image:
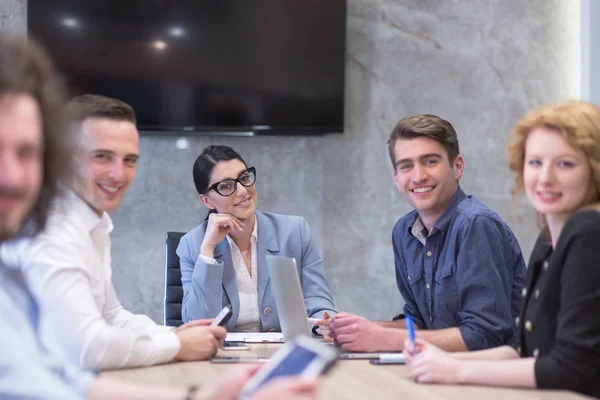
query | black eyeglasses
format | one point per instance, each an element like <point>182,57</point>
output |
<point>227,187</point>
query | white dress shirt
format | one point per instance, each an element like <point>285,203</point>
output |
<point>68,268</point>
<point>249,318</point>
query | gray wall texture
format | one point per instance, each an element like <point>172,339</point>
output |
<point>479,64</point>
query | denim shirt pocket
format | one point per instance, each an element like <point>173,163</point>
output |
<point>443,272</point>
<point>414,276</point>
<point>446,291</point>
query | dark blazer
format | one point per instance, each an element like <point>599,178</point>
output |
<point>207,288</point>
<point>560,320</point>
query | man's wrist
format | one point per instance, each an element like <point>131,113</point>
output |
<point>396,324</point>
<point>392,338</point>
<point>462,372</point>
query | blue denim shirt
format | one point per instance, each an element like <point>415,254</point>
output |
<point>469,273</point>
<point>30,366</point>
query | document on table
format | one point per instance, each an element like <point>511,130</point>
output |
<point>255,337</point>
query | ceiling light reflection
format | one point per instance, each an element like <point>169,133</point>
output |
<point>70,22</point>
<point>177,31</point>
<point>159,45</point>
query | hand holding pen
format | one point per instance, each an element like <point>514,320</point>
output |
<point>410,345</point>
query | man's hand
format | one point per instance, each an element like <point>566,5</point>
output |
<point>199,342</point>
<point>191,324</point>
<point>356,333</point>
<point>325,326</point>
<point>230,385</point>
<point>431,364</point>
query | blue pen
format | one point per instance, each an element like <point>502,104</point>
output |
<point>410,327</point>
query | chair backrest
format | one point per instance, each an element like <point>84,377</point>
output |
<point>173,288</point>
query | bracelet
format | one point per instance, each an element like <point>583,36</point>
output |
<point>191,392</point>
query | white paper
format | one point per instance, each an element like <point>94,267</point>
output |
<point>255,337</point>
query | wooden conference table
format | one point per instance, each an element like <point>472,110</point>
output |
<point>348,379</point>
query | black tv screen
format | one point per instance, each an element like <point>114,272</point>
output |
<point>262,66</point>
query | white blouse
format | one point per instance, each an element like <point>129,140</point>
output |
<point>249,318</point>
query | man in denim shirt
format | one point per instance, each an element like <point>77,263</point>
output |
<point>458,265</point>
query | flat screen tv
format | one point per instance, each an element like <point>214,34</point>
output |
<point>235,66</point>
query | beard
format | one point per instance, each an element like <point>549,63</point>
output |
<point>7,229</point>
<point>11,220</point>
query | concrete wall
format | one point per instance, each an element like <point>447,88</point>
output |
<point>479,64</point>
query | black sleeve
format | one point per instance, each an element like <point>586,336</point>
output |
<point>574,360</point>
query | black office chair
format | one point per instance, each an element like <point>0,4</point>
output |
<point>173,288</point>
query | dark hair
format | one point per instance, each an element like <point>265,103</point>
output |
<point>87,106</point>
<point>206,161</point>
<point>26,68</point>
<point>425,125</point>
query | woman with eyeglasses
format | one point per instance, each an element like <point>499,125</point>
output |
<point>223,261</point>
<point>555,157</point>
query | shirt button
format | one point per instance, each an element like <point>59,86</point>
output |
<point>409,277</point>
<point>536,353</point>
<point>546,265</point>
<point>528,326</point>
<point>267,311</point>
<point>427,286</point>
<point>517,320</point>
<point>429,253</point>
<point>537,293</point>
<point>431,318</point>
<point>272,330</point>
<point>524,292</point>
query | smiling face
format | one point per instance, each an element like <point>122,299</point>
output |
<point>107,161</point>
<point>424,174</point>
<point>242,203</point>
<point>556,175</point>
<point>21,157</point>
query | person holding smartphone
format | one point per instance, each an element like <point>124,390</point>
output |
<point>223,261</point>
<point>34,157</point>
<point>555,157</point>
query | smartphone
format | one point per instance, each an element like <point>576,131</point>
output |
<point>235,346</point>
<point>389,358</point>
<point>378,361</point>
<point>222,317</point>
<point>303,357</point>
<point>359,356</point>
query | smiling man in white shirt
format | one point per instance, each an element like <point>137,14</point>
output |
<point>69,267</point>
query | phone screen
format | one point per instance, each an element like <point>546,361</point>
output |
<point>293,364</point>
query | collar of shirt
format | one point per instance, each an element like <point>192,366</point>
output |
<point>86,216</point>
<point>417,227</point>
<point>254,236</point>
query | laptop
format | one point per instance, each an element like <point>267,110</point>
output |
<point>287,291</point>
<point>290,304</point>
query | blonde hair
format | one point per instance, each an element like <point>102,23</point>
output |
<point>579,124</point>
